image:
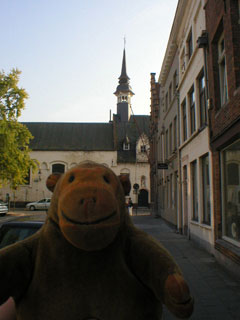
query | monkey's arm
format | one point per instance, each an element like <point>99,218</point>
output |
<point>156,268</point>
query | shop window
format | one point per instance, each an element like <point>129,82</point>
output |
<point>206,217</point>
<point>233,174</point>
<point>202,100</point>
<point>194,181</point>
<point>58,168</point>
<point>230,167</point>
<point>222,71</point>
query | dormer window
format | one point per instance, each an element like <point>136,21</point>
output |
<point>126,146</point>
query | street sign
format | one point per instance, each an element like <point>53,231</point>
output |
<point>162,166</point>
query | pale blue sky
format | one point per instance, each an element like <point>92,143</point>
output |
<point>70,53</point>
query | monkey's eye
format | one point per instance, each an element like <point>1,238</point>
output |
<point>106,179</point>
<point>71,178</point>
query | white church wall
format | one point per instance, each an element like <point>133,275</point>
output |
<point>37,190</point>
<point>139,172</point>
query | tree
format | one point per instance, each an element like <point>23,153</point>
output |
<point>15,161</point>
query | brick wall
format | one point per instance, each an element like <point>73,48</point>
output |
<point>223,17</point>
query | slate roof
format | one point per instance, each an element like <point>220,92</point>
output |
<point>60,136</point>
<point>57,136</point>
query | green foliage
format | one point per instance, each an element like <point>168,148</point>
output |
<point>15,161</point>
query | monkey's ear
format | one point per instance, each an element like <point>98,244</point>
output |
<point>52,181</point>
<point>126,184</point>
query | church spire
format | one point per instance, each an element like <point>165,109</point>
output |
<point>124,77</point>
<point>124,86</point>
<point>124,92</point>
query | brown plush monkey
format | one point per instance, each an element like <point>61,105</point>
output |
<point>89,261</point>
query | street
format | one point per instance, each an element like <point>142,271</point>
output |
<point>215,291</point>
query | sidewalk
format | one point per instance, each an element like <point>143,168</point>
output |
<point>215,291</point>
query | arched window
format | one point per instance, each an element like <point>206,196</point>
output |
<point>58,168</point>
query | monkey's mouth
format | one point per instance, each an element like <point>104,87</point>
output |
<point>89,222</point>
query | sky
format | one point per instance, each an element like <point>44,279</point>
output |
<point>70,53</point>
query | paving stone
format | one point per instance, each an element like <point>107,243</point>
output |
<point>215,291</point>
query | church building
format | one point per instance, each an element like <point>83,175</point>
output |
<point>121,144</point>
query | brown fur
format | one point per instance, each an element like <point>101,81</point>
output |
<point>88,260</point>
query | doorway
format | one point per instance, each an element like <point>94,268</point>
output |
<point>143,198</point>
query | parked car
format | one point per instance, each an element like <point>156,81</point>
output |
<point>42,204</point>
<point>3,208</point>
<point>14,231</point>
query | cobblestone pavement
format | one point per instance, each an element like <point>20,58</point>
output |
<point>215,291</point>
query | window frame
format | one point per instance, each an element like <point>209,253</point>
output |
<point>222,70</point>
<point>126,146</point>
<point>170,94</point>
<point>166,101</point>
<point>170,139</point>
<point>206,187</point>
<point>175,133</point>
<point>184,120</point>
<point>226,192</point>
<point>58,164</point>
<point>202,99</point>
<point>194,191</point>
<point>192,107</point>
<point>143,148</point>
<point>190,44</point>
<point>166,144</point>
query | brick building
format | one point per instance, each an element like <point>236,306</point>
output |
<point>223,61</point>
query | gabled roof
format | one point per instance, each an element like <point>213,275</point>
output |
<point>133,129</point>
<point>58,136</point>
